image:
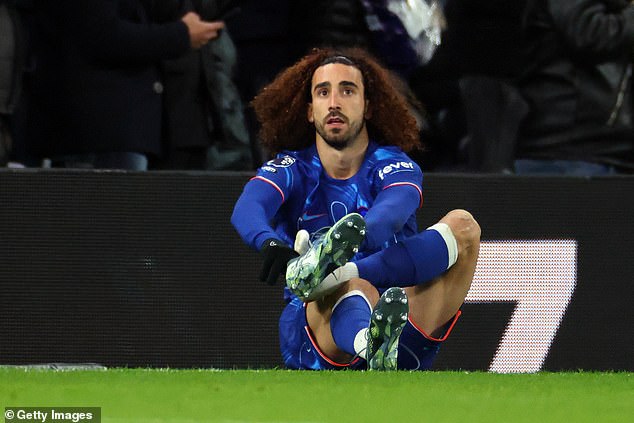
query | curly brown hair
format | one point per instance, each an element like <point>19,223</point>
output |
<point>281,107</point>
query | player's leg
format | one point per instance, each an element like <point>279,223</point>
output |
<point>342,326</point>
<point>412,261</point>
<point>339,321</point>
<point>454,240</point>
<point>389,317</point>
<point>436,266</point>
<point>434,303</point>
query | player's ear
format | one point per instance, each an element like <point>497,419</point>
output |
<point>368,110</point>
<point>309,113</point>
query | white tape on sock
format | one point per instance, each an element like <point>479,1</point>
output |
<point>361,343</point>
<point>452,245</point>
<point>334,280</point>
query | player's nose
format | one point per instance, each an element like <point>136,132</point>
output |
<point>334,103</point>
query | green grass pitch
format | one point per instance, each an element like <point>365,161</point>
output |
<point>143,396</point>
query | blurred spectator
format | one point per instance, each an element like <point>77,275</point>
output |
<point>96,87</point>
<point>578,86</point>
<point>405,33</point>
<point>467,87</point>
<point>262,38</point>
<point>13,58</point>
<point>231,142</point>
<point>19,156</point>
<point>204,125</point>
<point>328,23</point>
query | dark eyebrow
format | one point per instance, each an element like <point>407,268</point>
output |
<point>348,84</point>
<point>342,84</point>
<point>321,85</point>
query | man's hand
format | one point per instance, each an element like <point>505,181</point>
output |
<point>276,256</point>
<point>200,32</point>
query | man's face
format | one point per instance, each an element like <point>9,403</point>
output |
<point>339,107</point>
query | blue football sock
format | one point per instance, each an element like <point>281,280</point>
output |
<point>350,315</point>
<point>412,261</point>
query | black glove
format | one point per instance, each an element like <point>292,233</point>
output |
<point>276,256</point>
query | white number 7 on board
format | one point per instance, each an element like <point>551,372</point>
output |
<point>540,276</point>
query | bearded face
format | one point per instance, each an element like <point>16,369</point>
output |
<point>338,108</point>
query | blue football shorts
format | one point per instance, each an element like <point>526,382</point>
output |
<point>416,350</point>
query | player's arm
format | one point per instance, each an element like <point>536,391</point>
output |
<point>254,211</point>
<point>389,213</point>
<point>400,195</point>
<point>256,207</point>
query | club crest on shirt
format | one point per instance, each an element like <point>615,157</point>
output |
<point>395,167</point>
<point>285,161</point>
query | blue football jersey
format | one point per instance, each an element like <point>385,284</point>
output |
<point>312,200</point>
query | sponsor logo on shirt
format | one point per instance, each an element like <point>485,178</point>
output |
<point>396,167</point>
<point>269,169</point>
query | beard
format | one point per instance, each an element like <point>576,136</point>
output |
<point>337,138</point>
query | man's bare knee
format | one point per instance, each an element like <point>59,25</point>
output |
<point>370,292</point>
<point>355,284</point>
<point>464,227</point>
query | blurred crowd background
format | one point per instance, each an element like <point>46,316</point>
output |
<point>511,86</point>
